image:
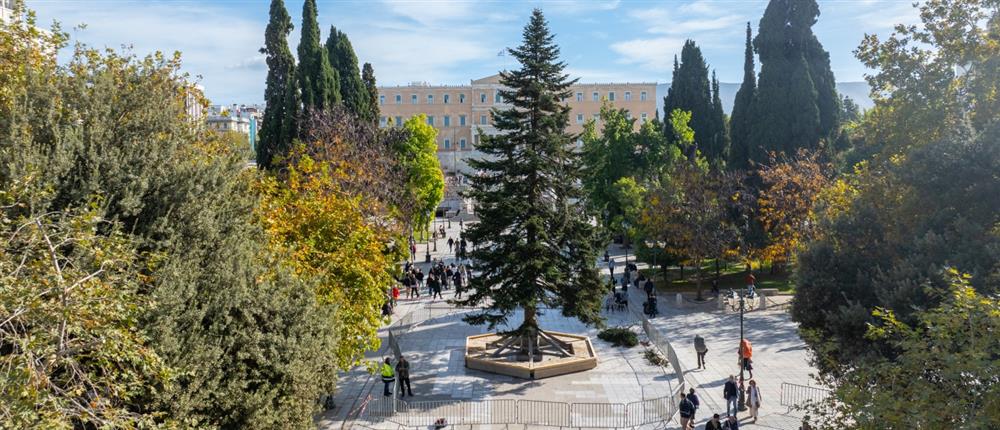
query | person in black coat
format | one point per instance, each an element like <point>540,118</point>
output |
<point>731,393</point>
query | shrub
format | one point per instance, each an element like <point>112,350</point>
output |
<point>619,336</point>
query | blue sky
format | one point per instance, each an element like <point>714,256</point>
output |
<point>451,42</point>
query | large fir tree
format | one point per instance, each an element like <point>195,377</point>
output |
<point>740,122</point>
<point>317,80</point>
<point>280,94</point>
<point>371,88</point>
<point>690,90</point>
<point>796,105</point>
<point>343,60</point>
<point>535,248</point>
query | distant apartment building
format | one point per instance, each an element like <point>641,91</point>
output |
<point>245,119</point>
<point>458,111</point>
<point>6,11</point>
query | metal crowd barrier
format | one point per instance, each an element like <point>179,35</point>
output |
<point>796,396</point>
<point>523,412</point>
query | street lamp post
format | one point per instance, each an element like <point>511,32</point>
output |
<point>434,235</point>
<point>743,398</point>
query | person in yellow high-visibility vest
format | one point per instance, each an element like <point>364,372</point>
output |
<point>388,376</point>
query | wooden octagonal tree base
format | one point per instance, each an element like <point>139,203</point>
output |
<point>479,355</point>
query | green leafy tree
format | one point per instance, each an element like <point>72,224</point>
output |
<point>281,92</point>
<point>946,356</point>
<point>418,156</point>
<point>691,91</point>
<point>71,345</point>
<point>881,245</point>
<point>607,157</point>
<point>796,104</point>
<point>929,75</point>
<point>741,122</point>
<point>318,81</point>
<point>352,89</point>
<point>368,77</point>
<point>242,337</point>
<point>535,248</point>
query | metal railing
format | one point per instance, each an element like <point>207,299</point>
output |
<point>797,396</point>
<point>521,412</point>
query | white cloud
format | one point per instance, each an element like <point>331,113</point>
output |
<point>655,54</point>
<point>430,12</point>
<point>216,44</point>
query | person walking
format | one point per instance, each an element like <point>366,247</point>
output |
<point>611,268</point>
<point>697,404</point>
<point>436,289</point>
<point>414,289</point>
<point>754,399</point>
<point>451,243</point>
<point>458,283</point>
<point>388,376</point>
<point>701,349</point>
<point>714,423</point>
<point>731,393</point>
<point>403,372</point>
<point>686,409</point>
<point>731,424</point>
<point>746,356</point>
<point>420,279</point>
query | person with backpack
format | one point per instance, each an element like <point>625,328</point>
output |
<point>686,409</point>
<point>732,394</point>
<point>697,404</point>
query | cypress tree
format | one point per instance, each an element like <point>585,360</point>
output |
<point>793,108</point>
<point>342,59</point>
<point>535,247</point>
<point>740,122</point>
<point>691,91</point>
<point>720,137</point>
<point>317,80</point>
<point>368,77</point>
<point>280,93</point>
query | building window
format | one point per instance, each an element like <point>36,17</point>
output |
<point>413,99</point>
<point>579,118</point>
<point>642,96</point>
<point>476,139</point>
<point>597,117</point>
<point>461,120</point>
<point>643,116</point>
<point>399,121</point>
<point>430,120</point>
<point>461,99</point>
<point>447,121</point>
<point>628,116</point>
<point>496,97</point>
<point>579,97</point>
<point>482,119</point>
<point>461,144</point>
<point>596,96</point>
<point>611,96</point>
<point>381,121</point>
<point>430,99</point>
<point>447,144</point>
<point>445,99</point>
<point>399,99</point>
<point>482,97</point>
<point>381,100</point>
<point>628,96</point>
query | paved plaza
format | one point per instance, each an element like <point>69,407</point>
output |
<point>434,341</point>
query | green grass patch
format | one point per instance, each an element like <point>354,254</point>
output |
<point>731,275</point>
